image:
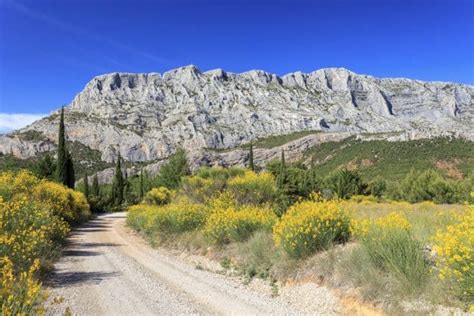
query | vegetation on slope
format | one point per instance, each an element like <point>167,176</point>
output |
<point>393,160</point>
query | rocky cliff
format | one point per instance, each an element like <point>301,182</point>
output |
<point>147,116</point>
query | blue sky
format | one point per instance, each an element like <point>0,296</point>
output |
<point>50,49</point>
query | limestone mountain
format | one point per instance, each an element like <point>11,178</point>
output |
<point>148,116</point>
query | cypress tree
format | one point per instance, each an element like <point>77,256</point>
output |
<point>251,164</point>
<point>70,174</point>
<point>86,186</point>
<point>141,188</point>
<point>282,174</point>
<point>61,163</point>
<point>118,183</point>
<point>95,186</point>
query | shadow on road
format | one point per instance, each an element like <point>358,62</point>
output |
<point>63,279</point>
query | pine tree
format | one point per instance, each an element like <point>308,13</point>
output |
<point>251,163</point>
<point>86,186</point>
<point>45,168</point>
<point>95,186</point>
<point>61,163</point>
<point>118,183</point>
<point>171,173</point>
<point>141,188</point>
<point>70,174</point>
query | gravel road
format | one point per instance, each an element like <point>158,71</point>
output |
<point>105,270</point>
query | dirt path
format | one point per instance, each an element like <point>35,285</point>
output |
<point>107,271</point>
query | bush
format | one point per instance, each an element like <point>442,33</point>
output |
<point>20,294</point>
<point>430,186</point>
<point>158,196</point>
<point>377,187</point>
<point>171,172</point>
<point>200,190</point>
<point>311,226</point>
<point>346,183</point>
<point>70,205</point>
<point>455,255</point>
<point>252,188</point>
<point>231,224</point>
<point>391,247</point>
<point>167,219</point>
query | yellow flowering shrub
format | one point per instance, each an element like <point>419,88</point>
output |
<point>171,218</point>
<point>252,188</point>
<point>454,246</point>
<point>34,216</point>
<point>200,190</point>
<point>20,293</point>
<point>310,226</point>
<point>71,205</point>
<point>159,196</point>
<point>237,224</point>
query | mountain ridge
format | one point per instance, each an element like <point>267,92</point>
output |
<point>146,116</point>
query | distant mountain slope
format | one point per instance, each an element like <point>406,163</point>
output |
<point>147,116</point>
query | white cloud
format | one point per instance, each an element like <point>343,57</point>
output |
<point>12,121</point>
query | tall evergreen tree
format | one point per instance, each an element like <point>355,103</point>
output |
<point>251,163</point>
<point>86,186</point>
<point>70,173</point>
<point>141,188</point>
<point>282,174</point>
<point>95,186</point>
<point>61,163</point>
<point>118,183</point>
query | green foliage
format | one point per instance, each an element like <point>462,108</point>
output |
<point>95,186</point>
<point>346,183</point>
<point>141,190</point>
<point>171,173</point>
<point>45,168</point>
<point>396,252</point>
<point>377,187</point>
<point>118,183</point>
<point>278,140</point>
<point>62,167</point>
<point>392,160</point>
<point>70,173</point>
<point>86,186</point>
<point>430,186</point>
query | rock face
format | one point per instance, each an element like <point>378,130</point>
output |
<point>147,116</point>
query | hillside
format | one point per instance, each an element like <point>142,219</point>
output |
<point>393,160</point>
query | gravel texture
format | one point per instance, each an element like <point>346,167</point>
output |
<point>105,270</point>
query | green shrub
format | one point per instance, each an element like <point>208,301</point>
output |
<point>392,249</point>
<point>430,186</point>
<point>346,183</point>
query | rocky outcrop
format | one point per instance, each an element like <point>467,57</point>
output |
<point>147,116</point>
